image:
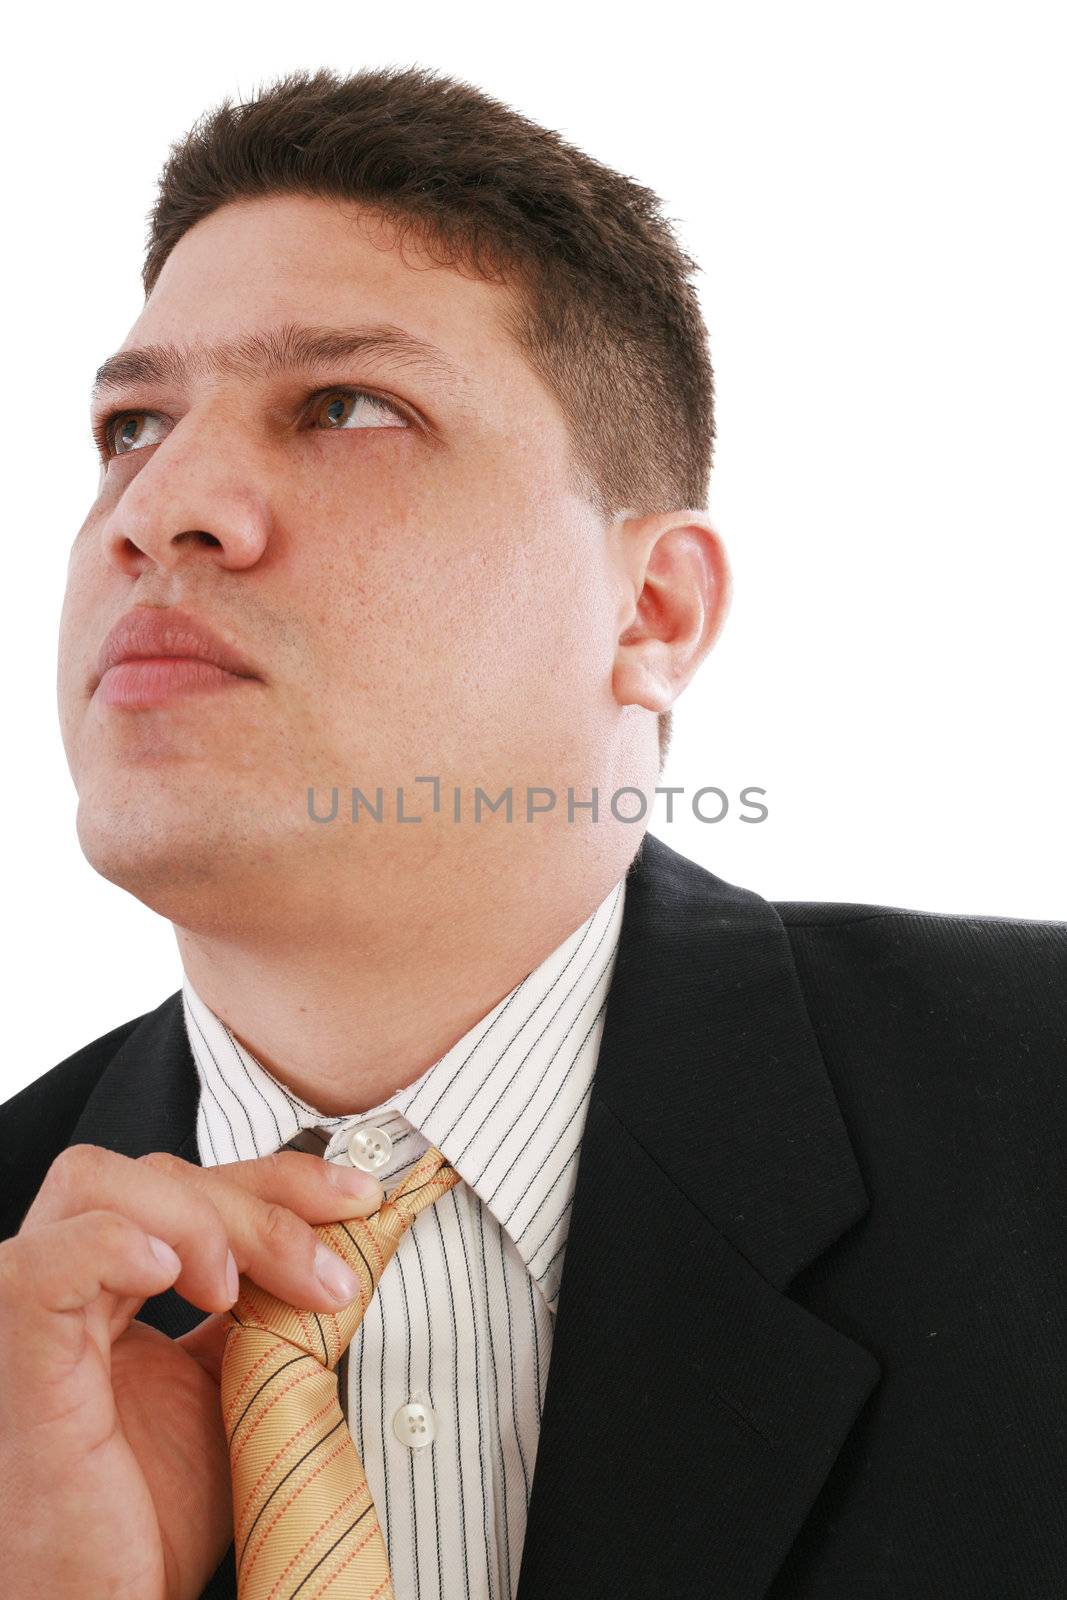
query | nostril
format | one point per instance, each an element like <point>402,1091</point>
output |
<point>200,537</point>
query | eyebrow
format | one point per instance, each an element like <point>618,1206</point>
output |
<point>268,352</point>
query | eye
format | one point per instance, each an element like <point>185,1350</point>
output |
<point>128,430</point>
<point>355,408</point>
<point>125,431</point>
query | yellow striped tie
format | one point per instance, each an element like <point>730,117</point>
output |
<point>303,1517</point>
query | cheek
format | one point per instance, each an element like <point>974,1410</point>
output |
<point>81,581</point>
<point>427,639</point>
<point>402,569</point>
<point>92,597</point>
<point>458,590</point>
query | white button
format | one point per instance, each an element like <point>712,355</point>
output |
<point>414,1425</point>
<point>369,1147</point>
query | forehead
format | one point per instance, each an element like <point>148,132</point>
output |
<point>254,265</point>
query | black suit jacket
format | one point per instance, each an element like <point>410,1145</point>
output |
<point>810,1334</point>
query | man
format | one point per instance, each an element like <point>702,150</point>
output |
<point>757,1240</point>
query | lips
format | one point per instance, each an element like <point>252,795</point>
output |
<point>154,651</point>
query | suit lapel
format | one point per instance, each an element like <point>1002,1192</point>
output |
<point>692,1409</point>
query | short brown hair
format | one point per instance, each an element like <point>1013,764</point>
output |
<point>605,313</point>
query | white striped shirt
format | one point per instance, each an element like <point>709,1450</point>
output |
<point>462,1318</point>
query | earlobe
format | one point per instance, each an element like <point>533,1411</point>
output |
<point>679,610</point>
<point>637,680</point>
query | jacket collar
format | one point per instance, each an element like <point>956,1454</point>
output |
<point>693,1410</point>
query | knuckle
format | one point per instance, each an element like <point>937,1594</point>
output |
<point>273,1173</point>
<point>161,1159</point>
<point>77,1158</point>
<point>196,1203</point>
<point>281,1227</point>
<point>75,1168</point>
<point>285,1163</point>
<point>109,1229</point>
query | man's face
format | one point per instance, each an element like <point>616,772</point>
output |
<point>408,574</point>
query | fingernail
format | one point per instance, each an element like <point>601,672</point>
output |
<point>350,1180</point>
<point>233,1282</point>
<point>164,1254</point>
<point>334,1274</point>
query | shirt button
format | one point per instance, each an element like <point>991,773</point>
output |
<point>369,1147</point>
<point>414,1425</point>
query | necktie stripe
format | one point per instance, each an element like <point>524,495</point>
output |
<point>359,1251</point>
<point>380,1590</point>
<point>325,1348</point>
<point>250,1376</point>
<point>241,1538</point>
<point>296,1510</point>
<point>385,1588</point>
<point>262,1416</point>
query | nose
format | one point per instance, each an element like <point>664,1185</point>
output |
<point>190,501</point>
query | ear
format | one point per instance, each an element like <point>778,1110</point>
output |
<point>677,593</point>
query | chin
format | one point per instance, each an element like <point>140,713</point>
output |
<point>194,849</point>
<point>162,860</point>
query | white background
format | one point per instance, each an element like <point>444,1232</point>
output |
<point>875,195</point>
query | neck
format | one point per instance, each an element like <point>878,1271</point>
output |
<point>356,1006</point>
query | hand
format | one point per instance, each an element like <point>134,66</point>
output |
<point>114,1468</point>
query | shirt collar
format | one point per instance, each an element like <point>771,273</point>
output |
<point>506,1104</point>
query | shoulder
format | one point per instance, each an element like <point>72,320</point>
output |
<point>65,1087</point>
<point>955,1021</point>
<point>987,962</point>
<point>855,961</point>
<point>943,924</point>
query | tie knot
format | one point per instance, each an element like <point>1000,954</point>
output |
<point>367,1244</point>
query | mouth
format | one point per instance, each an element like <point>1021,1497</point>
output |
<point>157,654</point>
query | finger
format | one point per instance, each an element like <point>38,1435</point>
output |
<point>87,1177</point>
<point>207,1214</point>
<point>272,1206</point>
<point>317,1190</point>
<point>56,1271</point>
